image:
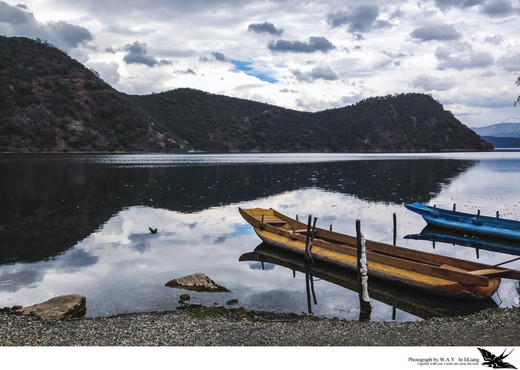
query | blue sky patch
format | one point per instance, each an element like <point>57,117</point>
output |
<point>249,69</point>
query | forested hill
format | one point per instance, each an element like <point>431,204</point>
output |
<point>50,102</point>
<point>406,122</point>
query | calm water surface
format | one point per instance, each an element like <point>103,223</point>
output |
<point>79,224</point>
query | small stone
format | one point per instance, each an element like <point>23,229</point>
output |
<point>185,297</point>
<point>198,282</point>
<point>232,302</point>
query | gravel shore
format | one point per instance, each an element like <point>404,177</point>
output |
<point>201,326</point>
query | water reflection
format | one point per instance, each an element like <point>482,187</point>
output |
<point>79,224</point>
<point>412,301</point>
<point>48,206</point>
<point>436,235</point>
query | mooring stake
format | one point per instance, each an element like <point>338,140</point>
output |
<point>362,271</point>
<point>395,228</point>
<point>307,239</point>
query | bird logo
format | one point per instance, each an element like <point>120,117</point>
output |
<point>495,362</point>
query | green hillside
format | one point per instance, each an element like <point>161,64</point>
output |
<point>50,102</point>
<point>406,122</point>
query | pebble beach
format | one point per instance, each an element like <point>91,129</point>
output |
<point>203,326</point>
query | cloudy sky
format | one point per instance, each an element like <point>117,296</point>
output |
<point>302,54</point>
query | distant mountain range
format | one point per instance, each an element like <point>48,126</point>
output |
<point>501,135</point>
<point>49,102</point>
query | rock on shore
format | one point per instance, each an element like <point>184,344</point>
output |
<point>198,282</point>
<point>58,308</point>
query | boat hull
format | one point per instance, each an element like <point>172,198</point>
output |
<point>429,272</point>
<point>449,289</point>
<point>408,300</point>
<point>465,222</point>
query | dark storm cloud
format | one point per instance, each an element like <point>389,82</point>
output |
<point>429,83</point>
<point>266,27</point>
<point>431,32</point>
<point>188,71</point>
<point>510,62</point>
<point>445,4</point>
<point>16,21</point>
<point>315,44</point>
<point>499,8</point>
<point>317,73</point>
<point>137,54</point>
<point>492,8</point>
<point>219,56</point>
<point>497,39</point>
<point>15,15</point>
<point>462,58</point>
<point>70,34</point>
<point>360,19</point>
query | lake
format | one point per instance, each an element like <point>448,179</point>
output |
<point>77,223</point>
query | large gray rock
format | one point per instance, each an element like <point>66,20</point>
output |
<point>58,308</point>
<point>198,282</point>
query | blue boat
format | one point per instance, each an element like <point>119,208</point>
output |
<point>436,235</point>
<point>495,227</point>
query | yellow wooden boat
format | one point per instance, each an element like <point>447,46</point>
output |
<point>433,273</point>
<point>413,301</point>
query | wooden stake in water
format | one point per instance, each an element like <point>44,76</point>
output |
<point>395,228</point>
<point>362,270</point>
<point>308,238</point>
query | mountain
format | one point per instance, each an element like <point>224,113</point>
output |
<point>50,102</point>
<point>405,122</point>
<point>506,129</point>
<point>501,135</point>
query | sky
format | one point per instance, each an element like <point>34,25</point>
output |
<point>300,54</point>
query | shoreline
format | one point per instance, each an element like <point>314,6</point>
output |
<point>221,326</point>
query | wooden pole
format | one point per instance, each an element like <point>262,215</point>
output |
<point>362,272</point>
<point>307,239</point>
<point>358,237</point>
<point>395,228</point>
<point>312,236</point>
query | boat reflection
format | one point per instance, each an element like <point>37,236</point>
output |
<point>436,235</point>
<point>412,301</point>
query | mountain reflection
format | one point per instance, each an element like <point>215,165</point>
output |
<point>48,206</point>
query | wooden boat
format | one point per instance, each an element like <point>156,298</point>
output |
<point>414,302</point>
<point>474,224</point>
<point>430,272</point>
